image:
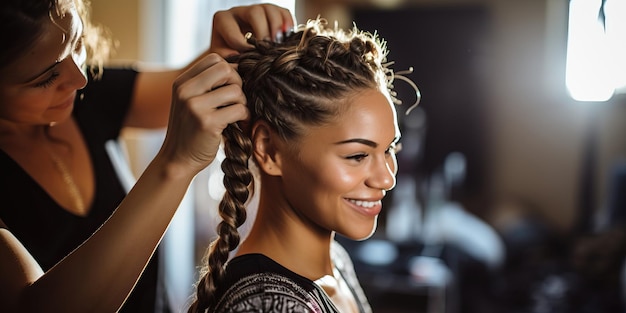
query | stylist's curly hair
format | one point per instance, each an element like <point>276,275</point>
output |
<point>22,22</point>
<point>301,81</point>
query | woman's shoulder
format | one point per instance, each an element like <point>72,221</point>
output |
<point>258,270</point>
<point>256,283</point>
<point>264,292</point>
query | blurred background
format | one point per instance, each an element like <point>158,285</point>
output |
<point>512,179</point>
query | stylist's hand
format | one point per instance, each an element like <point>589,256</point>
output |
<point>264,21</point>
<point>205,99</point>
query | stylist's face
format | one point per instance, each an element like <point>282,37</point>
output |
<point>39,87</point>
<point>341,171</point>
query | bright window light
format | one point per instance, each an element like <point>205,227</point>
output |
<point>587,69</point>
<point>616,32</point>
<point>596,62</point>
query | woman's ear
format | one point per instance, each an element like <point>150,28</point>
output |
<point>265,147</point>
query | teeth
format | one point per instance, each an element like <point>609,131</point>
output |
<point>365,204</point>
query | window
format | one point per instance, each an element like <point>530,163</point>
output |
<point>596,49</point>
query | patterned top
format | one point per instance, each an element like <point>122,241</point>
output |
<point>256,283</point>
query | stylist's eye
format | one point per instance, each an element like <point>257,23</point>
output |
<point>394,148</point>
<point>48,81</point>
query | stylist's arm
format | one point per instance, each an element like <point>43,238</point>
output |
<point>99,274</point>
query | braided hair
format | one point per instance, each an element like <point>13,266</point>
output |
<point>295,83</point>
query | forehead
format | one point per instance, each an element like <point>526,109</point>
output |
<point>369,114</point>
<point>371,108</point>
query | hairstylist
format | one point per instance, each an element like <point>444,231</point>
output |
<point>70,239</point>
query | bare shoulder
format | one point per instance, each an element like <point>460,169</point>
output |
<point>15,259</point>
<point>17,269</point>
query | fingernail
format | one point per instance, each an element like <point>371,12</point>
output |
<point>279,37</point>
<point>289,32</point>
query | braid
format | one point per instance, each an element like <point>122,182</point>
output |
<point>237,177</point>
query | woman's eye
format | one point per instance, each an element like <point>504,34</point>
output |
<point>357,157</point>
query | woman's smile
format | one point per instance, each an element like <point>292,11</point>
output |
<point>368,208</point>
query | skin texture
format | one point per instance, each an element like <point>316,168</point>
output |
<point>38,88</point>
<point>315,187</point>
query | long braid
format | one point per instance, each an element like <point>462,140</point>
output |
<point>298,82</point>
<point>237,177</point>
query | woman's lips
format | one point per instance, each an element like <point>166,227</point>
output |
<point>365,207</point>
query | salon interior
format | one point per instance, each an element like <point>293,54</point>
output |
<point>511,190</point>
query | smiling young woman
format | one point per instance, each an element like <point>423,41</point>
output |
<point>323,134</point>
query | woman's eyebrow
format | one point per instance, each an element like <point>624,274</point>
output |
<point>358,140</point>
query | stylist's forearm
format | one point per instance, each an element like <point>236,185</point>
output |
<point>100,274</point>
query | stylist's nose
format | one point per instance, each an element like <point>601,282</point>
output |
<point>74,67</point>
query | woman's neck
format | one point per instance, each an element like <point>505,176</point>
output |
<point>280,234</point>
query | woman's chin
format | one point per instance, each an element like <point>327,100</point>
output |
<point>361,235</point>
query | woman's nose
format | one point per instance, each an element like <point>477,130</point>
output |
<point>383,174</point>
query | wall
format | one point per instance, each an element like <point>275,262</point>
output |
<point>535,129</point>
<point>121,17</point>
<point>539,135</point>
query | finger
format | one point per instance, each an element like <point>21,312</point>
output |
<point>228,32</point>
<point>217,99</point>
<point>279,19</point>
<point>224,105</point>
<point>198,67</point>
<point>223,51</point>
<point>214,77</point>
<point>231,114</point>
<point>256,17</point>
